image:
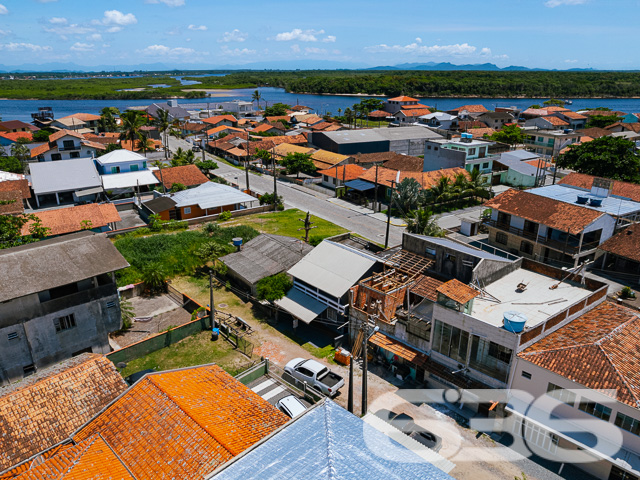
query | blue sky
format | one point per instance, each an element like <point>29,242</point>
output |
<point>204,33</point>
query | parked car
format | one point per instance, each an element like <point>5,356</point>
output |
<point>291,406</point>
<point>406,425</point>
<point>195,148</point>
<point>316,375</point>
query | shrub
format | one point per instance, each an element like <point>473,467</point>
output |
<point>210,228</point>
<point>154,276</point>
<point>274,287</point>
<point>173,225</point>
<point>315,240</point>
<point>224,216</point>
<point>177,187</point>
<point>627,292</point>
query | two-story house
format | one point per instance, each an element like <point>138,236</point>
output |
<point>575,120</point>
<point>15,126</point>
<point>496,120</point>
<point>65,145</point>
<point>548,142</point>
<point>58,298</point>
<point>549,122</point>
<point>78,122</point>
<point>395,104</point>
<point>465,152</point>
<point>120,161</point>
<point>441,120</point>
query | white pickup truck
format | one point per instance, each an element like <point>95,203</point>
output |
<point>316,375</point>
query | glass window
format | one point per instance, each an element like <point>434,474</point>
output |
<point>619,474</point>
<point>627,423</point>
<point>561,394</point>
<point>187,210</point>
<point>472,151</point>
<point>595,409</point>
<point>490,358</point>
<point>56,156</point>
<point>144,164</point>
<point>526,247</point>
<point>75,154</point>
<point>64,323</point>
<point>526,375</point>
<point>68,144</point>
<point>134,168</point>
<point>485,165</point>
<point>501,238</point>
<point>450,341</point>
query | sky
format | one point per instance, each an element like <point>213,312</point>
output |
<point>558,34</point>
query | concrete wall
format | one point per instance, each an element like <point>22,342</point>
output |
<point>413,146</point>
<point>444,265</point>
<point>488,271</point>
<point>442,157</point>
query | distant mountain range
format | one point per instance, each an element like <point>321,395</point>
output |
<point>267,65</point>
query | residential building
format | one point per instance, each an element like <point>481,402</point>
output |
<point>96,217</point>
<point>468,112</point>
<point>549,122</point>
<point>45,408</point>
<point>262,257</point>
<point>496,120</point>
<point>555,223</point>
<point>621,253</point>
<point>411,116</point>
<point>520,168</point>
<point>267,128</point>
<point>187,175</point>
<point>408,140</point>
<point>130,182</point>
<point>619,188</point>
<point>78,122</point>
<point>465,152</point>
<point>120,161</point>
<point>65,145</point>
<point>207,199</point>
<point>453,316</point>
<point>441,120</point>
<point>395,104</point>
<point>175,111</point>
<point>548,142</point>
<point>623,127</point>
<point>9,138</point>
<point>321,282</point>
<point>324,159</point>
<point>338,176</point>
<point>221,120</point>
<point>46,316</point>
<point>238,107</point>
<point>392,160</point>
<point>585,373</point>
<point>14,126</point>
<point>574,119</point>
<point>68,181</point>
<point>15,195</point>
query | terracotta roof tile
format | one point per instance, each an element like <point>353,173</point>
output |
<point>620,188</point>
<point>457,291</point>
<point>555,121</point>
<point>427,287</point>
<point>85,117</point>
<point>556,108</point>
<point>406,163</point>
<point>333,128</point>
<point>63,133</point>
<point>629,127</point>
<point>625,243</point>
<point>481,132</point>
<point>598,350</point>
<point>14,136</point>
<point>264,127</point>
<point>417,106</point>
<point>220,118</point>
<point>22,185</point>
<point>40,149</point>
<point>14,125</point>
<point>572,115</point>
<point>283,149</point>
<point>188,175</point>
<point>69,219</point>
<point>279,118</point>
<point>402,98</point>
<point>465,125</point>
<point>11,202</point>
<point>470,109</point>
<point>546,211</point>
<point>594,132</point>
<point>603,113</point>
<point>183,423</point>
<point>414,112</point>
<point>326,159</point>
<point>346,172</point>
<point>46,408</point>
<point>379,114</point>
<point>425,179</point>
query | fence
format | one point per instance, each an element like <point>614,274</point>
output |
<point>234,335</point>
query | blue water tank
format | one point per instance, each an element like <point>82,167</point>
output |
<point>595,202</point>
<point>237,242</point>
<point>514,321</point>
<point>582,199</point>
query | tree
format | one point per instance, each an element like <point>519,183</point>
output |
<point>11,230</point>
<point>477,185</point>
<point>154,277</point>
<point>179,158</point>
<point>107,122</point>
<point>296,162</point>
<point>144,143</point>
<point>21,152</point>
<point>422,222</point>
<point>601,121</point>
<point>372,104</point>
<point>41,136</point>
<point>609,157</point>
<point>206,166</point>
<point>274,287</point>
<point>554,101</point>
<point>270,199</point>
<point>10,164</point>
<point>163,123</point>
<point>256,97</point>
<point>441,192</point>
<point>511,134</point>
<point>130,129</point>
<point>177,187</point>
<point>276,110</point>
<point>407,194</point>
<point>211,250</point>
<point>348,115</point>
<point>263,155</point>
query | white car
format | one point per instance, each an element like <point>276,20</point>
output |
<point>291,406</point>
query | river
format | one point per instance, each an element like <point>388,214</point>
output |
<point>22,109</point>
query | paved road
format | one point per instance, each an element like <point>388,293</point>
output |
<point>308,200</point>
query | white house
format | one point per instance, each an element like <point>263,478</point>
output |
<point>65,145</point>
<point>120,161</point>
<point>441,120</point>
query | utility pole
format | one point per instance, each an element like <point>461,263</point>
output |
<point>386,238</point>
<point>275,179</point>
<point>336,181</point>
<point>246,172</point>
<point>212,307</point>
<point>365,367</point>
<point>350,399</point>
<point>307,226</point>
<point>375,192</point>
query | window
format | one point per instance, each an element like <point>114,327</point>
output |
<point>65,323</point>
<point>111,304</point>
<point>450,341</point>
<point>502,238</point>
<point>627,423</point>
<point>75,154</point>
<point>332,314</point>
<point>187,210</point>
<point>535,435</point>
<point>472,151</point>
<point>595,409</point>
<point>559,393</point>
<point>68,144</point>
<point>504,218</point>
<point>428,147</point>
<point>134,168</point>
<point>526,375</point>
<point>526,247</point>
<point>56,156</point>
<point>619,474</point>
<point>435,149</point>
<point>144,164</point>
<point>485,165</point>
<point>12,336</point>
<point>490,358</point>
<point>431,252</point>
<point>29,370</point>
<point>304,371</point>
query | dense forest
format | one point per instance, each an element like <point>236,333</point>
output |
<point>442,84</point>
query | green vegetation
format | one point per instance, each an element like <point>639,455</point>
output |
<point>274,287</point>
<point>296,162</point>
<point>609,157</point>
<point>276,110</point>
<point>601,121</point>
<point>511,134</point>
<point>194,350</point>
<point>11,228</point>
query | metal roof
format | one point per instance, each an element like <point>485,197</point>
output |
<point>476,252</point>
<point>119,156</point>
<point>613,205</point>
<point>64,175</point>
<point>360,185</point>
<point>159,204</point>
<point>380,134</point>
<point>211,195</point>
<point>329,442</point>
<point>520,155</point>
<point>301,305</point>
<point>55,262</point>
<point>129,179</point>
<point>333,268</point>
<point>519,166</point>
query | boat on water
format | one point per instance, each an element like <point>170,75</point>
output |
<point>568,102</point>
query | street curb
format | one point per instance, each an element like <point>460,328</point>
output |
<point>370,215</point>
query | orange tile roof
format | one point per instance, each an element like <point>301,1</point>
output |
<point>402,98</point>
<point>417,106</point>
<point>425,179</point>
<point>539,112</point>
<point>310,118</point>
<point>333,128</point>
<point>539,163</point>
<point>264,127</point>
<point>85,117</point>
<point>598,350</point>
<point>46,408</point>
<point>14,136</point>
<point>379,114</point>
<point>457,291</point>
<point>572,115</point>
<point>555,121</point>
<point>21,185</point>
<point>327,159</point>
<point>398,348</point>
<point>188,175</point>
<point>69,219</point>
<point>279,118</point>
<point>629,127</point>
<point>594,132</point>
<point>620,188</point>
<point>220,118</point>
<point>465,125</point>
<point>556,109</point>
<point>562,216</point>
<point>346,172</point>
<point>63,133</point>
<point>414,113</point>
<point>481,132</point>
<point>470,109</point>
<point>321,126</point>
<point>625,243</point>
<point>183,423</point>
<point>285,148</point>
<point>223,128</point>
<point>427,287</point>
<point>11,202</point>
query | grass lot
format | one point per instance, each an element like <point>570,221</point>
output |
<point>195,350</point>
<point>287,223</point>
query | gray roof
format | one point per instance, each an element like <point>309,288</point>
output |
<point>329,442</point>
<point>520,155</point>
<point>64,175</point>
<point>519,166</point>
<point>613,205</point>
<point>160,204</point>
<point>333,268</point>
<point>174,112</point>
<point>55,262</point>
<point>380,134</point>
<point>211,195</point>
<point>266,255</point>
<point>476,252</point>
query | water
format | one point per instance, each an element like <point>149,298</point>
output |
<point>22,109</point>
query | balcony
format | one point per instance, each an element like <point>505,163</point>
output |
<point>69,148</point>
<point>547,144</point>
<point>508,228</point>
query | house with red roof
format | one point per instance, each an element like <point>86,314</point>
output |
<point>338,176</point>
<point>65,145</point>
<point>219,120</point>
<point>9,138</point>
<point>395,104</point>
<point>548,122</point>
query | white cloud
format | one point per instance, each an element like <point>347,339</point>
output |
<point>329,39</point>
<point>434,50</point>
<point>4,33</point>
<point>557,3</point>
<point>3,10</point>
<point>234,35</point>
<point>118,19</point>
<point>299,35</point>
<point>155,50</point>
<point>501,57</point>
<point>570,61</point>
<point>295,48</point>
<point>20,47</point>
<point>96,37</point>
<point>82,47</point>
<point>236,52</point>
<point>315,50</point>
<point>169,3</point>
<point>198,27</point>
<point>47,1</point>
<point>485,52</point>
<point>58,21</point>
<point>59,26</point>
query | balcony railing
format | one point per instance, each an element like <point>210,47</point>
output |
<point>68,148</point>
<point>516,231</point>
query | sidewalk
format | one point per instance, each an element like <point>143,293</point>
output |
<point>398,222</point>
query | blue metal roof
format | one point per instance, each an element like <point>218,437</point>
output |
<point>613,205</point>
<point>329,442</point>
<point>360,185</point>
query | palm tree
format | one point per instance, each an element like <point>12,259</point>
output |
<point>256,97</point>
<point>189,158</point>
<point>348,115</point>
<point>131,123</point>
<point>422,222</point>
<point>154,276</point>
<point>144,144</point>
<point>477,185</point>
<point>441,192</point>
<point>407,194</point>
<point>179,158</point>
<point>339,112</point>
<point>21,152</point>
<point>163,123</point>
